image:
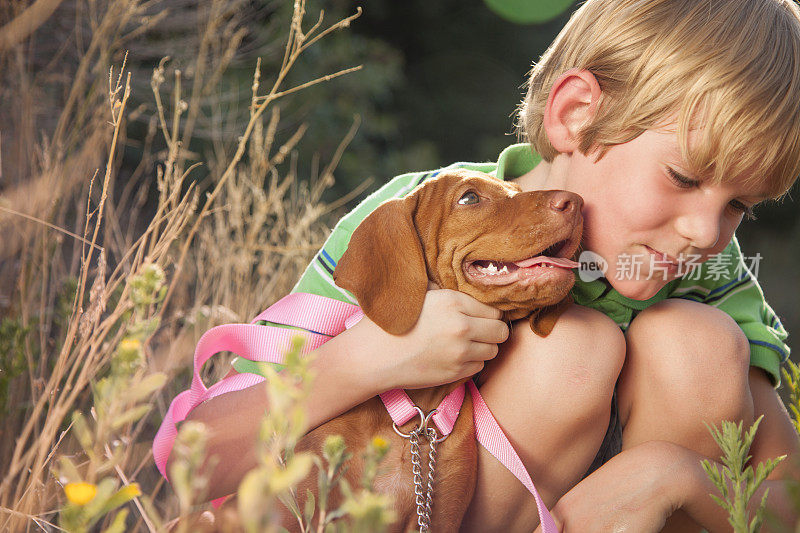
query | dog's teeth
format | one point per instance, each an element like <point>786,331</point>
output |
<point>492,269</point>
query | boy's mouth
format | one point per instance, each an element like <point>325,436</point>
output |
<point>663,261</point>
<point>662,257</point>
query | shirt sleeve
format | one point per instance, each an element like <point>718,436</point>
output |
<point>727,281</point>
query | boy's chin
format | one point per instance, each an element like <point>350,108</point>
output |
<point>638,289</point>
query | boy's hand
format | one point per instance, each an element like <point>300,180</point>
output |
<point>453,338</point>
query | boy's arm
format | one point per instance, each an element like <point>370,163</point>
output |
<point>453,338</point>
<point>232,419</point>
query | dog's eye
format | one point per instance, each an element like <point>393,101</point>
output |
<point>469,198</point>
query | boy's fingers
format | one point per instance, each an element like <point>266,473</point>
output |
<point>472,307</point>
<point>483,351</point>
<point>488,330</point>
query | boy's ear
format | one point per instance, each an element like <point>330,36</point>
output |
<point>571,104</point>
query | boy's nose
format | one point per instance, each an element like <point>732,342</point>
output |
<point>701,229</point>
<point>565,202</point>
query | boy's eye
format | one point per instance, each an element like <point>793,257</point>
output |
<point>683,182</point>
<point>680,180</point>
<point>745,210</point>
<point>469,198</point>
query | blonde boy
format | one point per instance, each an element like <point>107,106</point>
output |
<point>671,118</point>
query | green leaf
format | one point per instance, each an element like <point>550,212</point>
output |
<point>81,429</point>
<point>722,503</point>
<point>94,510</point>
<point>296,470</point>
<point>67,470</point>
<point>122,496</point>
<point>146,387</point>
<point>310,506</point>
<point>118,524</point>
<point>336,514</point>
<point>287,499</point>
<point>131,415</point>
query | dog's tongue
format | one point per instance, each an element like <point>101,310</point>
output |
<point>557,261</point>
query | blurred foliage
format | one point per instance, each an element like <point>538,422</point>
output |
<point>463,68</point>
<point>120,398</point>
<point>12,355</point>
<point>440,83</point>
<point>528,11</point>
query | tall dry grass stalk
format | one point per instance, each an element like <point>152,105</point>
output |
<point>77,229</point>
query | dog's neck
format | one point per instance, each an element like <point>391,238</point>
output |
<point>507,316</point>
<point>516,314</point>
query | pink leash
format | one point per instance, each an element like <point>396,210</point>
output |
<point>321,319</point>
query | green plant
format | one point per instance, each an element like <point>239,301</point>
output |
<point>188,455</point>
<point>738,483</point>
<point>281,469</point>
<point>120,398</point>
<point>12,356</point>
<point>791,378</point>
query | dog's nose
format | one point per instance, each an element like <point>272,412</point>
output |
<point>565,202</point>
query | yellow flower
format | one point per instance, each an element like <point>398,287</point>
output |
<point>379,443</point>
<point>80,493</point>
<point>128,357</point>
<point>129,344</point>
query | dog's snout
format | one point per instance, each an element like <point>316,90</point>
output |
<point>565,202</point>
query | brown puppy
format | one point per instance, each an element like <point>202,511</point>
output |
<point>466,231</point>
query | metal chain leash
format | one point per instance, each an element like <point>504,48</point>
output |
<point>432,440</point>
<point>423,496</point>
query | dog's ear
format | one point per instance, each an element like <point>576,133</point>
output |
<point>544,320</point>
<point>384,267</point>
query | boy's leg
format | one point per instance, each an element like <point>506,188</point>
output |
<point>687,364</point>
<point>552,397</point>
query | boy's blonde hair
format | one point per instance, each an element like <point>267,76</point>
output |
<point>727,69</point>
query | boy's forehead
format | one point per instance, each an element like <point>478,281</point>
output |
<point>667,144</point>
<point>669,147</point>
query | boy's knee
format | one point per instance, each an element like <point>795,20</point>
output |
<point>576,366</point>
<point>693,354</point>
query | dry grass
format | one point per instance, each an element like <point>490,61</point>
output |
<point>77,227</point>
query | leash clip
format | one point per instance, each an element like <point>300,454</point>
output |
<point>423,428</point>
